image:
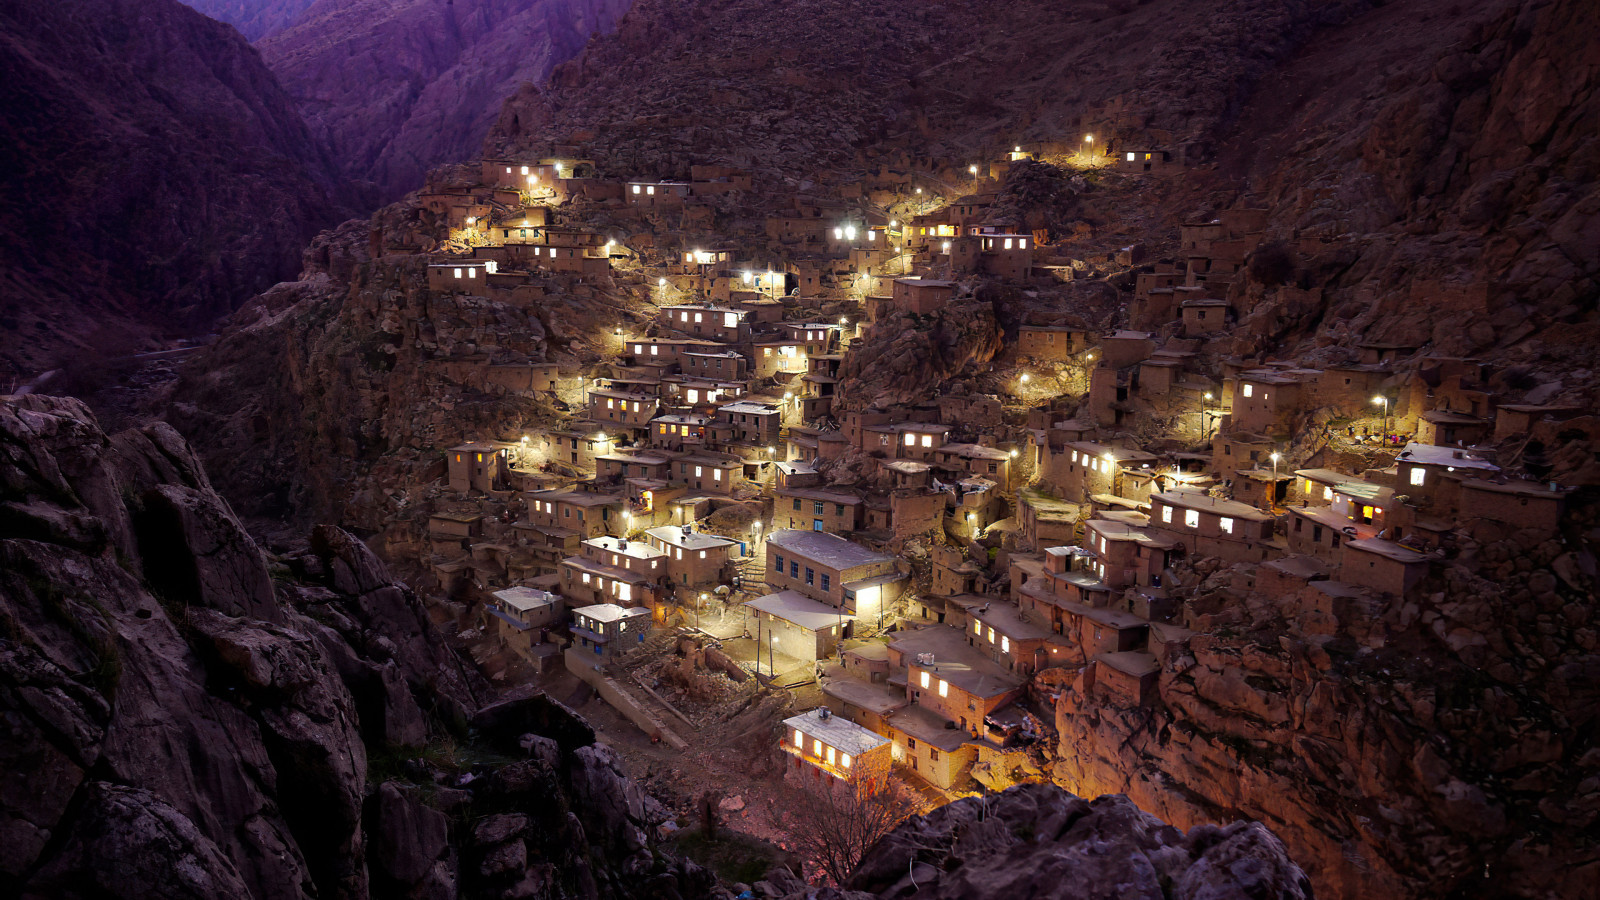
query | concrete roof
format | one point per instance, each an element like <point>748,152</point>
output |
<point>1387,549</point>
<point>1429,455</point>
<point>635,549</point>
<point>694,540</point>
<point>928,727</point>
<point>955,661</point>
<point>610,612</point>
<point>879,699</point>
<point>523,599</point>
<point>1200,501</point>
<point>792,606</point>
<point>830,550</point>
<point>835,731</point>
<point>1007,619</point>
<point>1132,662</point>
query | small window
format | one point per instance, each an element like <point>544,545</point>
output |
<point>1191,518</point>
<point>1166,514</point>
<point>1418,474</point>
<point>825,586</point>
<point>777,562</point>
<point>1227,525</point>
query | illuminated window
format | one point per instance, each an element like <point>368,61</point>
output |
<point>1130,157</point>
<point>799,738</point>
<point>458,273</point>
<point>1008,244</point>
<point>636,189</point>
<point>830,756</point>
<point>845,760</point>
<point>925,679</point>
<point>1227,525</point>
<point>1249,390</point>
<point>1418,475</point>
<point>651,190</point>
<point>524,170</point>
<point>638,348</point>
<point>1191,518</point>
<point>655,351</point>
<point>698,318</point>
<point>927,440</point>
<point>623,591</point>
<point>1166,514</point>
<point>911,440</point>
<point>944,688</point>
<point>730,320</point>
<point>1005,644</point>
<point>977,628</point>
<point>816,747</point>
<point>1327,493</point>
<point>991,635</point>
<point>698,471</point>
<point>586,578</point>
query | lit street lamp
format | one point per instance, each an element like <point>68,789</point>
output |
<point>1088,146</point>
<point>1385,401</point>
<point>1203,399</point>
<point>1273,502</point>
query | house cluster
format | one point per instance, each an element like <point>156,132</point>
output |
<point>1050,535</point>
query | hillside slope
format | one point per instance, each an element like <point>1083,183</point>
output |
<point>395,89</point>
<point>255,19</point>
<point>156,176</point>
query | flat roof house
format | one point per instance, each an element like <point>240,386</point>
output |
<point>827,749</point>
<point>831,570</point>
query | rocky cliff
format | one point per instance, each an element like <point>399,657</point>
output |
<point>255,19</point>
<point>1040,841</point>
<point>185,717</point>
<point>1442,196</point>
<point>395,89</point>
<point>155,176</point>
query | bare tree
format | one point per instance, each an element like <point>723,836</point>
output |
<point>832,824</point>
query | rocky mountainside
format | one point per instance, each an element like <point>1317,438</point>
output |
<point>187,717</point>
<point>255,19</point>
<point>396,88</point>
<point>1417,200</point>
<point>155,174</point>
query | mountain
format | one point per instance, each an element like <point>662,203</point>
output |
<point>1424,174</point>
<point>255,19</point>
<point>396,87</point>
<point>155,174</point>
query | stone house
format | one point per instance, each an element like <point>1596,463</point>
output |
<point>921,296</point>
<point>461,276</point>
<point>816,509</point>
<point>826,750</point>
<point>833,571</point>
<point>614,570</point>
<point>589,513</point>
<point>607,629</point>
<point>695,560</point>
<point>1208,526</point>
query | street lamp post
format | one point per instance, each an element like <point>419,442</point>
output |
<point>1385,401</point>
<point>1273,502</point>
<point>1203,430</point>
<point>1088,146</point>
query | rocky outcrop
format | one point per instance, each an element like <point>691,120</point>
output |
<point>1040,841</point>
<point>155,174</point>
<point>395,89</point>
<point>1428,748</point>
<point>185,719</point>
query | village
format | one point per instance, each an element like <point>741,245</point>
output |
<point>922,579</point>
